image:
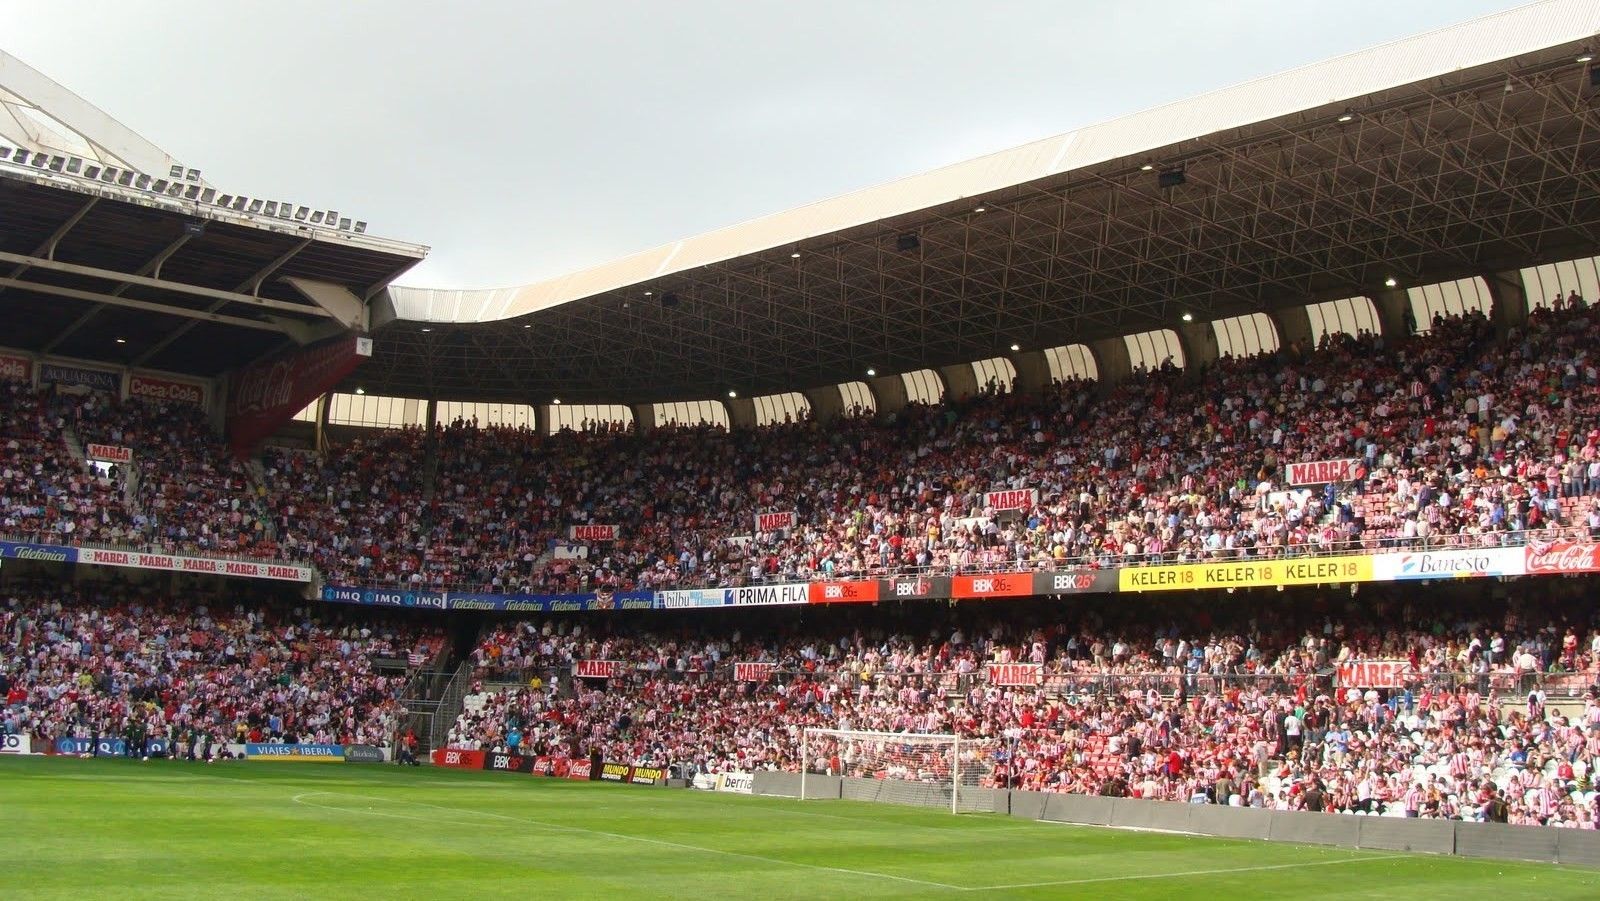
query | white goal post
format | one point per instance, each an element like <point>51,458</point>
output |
<point>908,767</point>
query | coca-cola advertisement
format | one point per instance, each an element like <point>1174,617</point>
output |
<point>16,369</point>
<point>265,396</point>
<point>1556,557</point>
<point>156,388</point>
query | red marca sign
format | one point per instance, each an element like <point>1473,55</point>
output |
<point>843,592</point>
<point>597,669</point>
<point>109,453</point>
<point>593,533</point>
<point>153,388</point>
<point>1011,499</point>
<point>998,585</point>
<point>1014,673</point>
<point>1562,557</point>
<point>774,522</point>
<point>1319,472</point>
<point>1373,674</point>
<point>753,672</point>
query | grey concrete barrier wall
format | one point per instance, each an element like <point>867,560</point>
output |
<point>1503,841</point>
<point>784,785</point>
<point>1578,847</point>
<point>1168,815</point>
<point>1089,810</point>
<point>1028,805</point>
<point>986,800</point>
<point>1229,822</point>
<point>1315,828</point>
<point>1391,834</point>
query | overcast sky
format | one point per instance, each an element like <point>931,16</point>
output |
<point>525,139</point>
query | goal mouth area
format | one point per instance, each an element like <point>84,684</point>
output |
<point>920,769</point>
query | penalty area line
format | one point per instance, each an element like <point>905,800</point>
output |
<point>1181,874</point>
<point>301,799</point>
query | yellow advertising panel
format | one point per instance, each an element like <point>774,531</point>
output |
<point>1246,574</point>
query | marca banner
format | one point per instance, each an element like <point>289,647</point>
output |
<point>52,552</point>
<point>1373,673</point>
<point>592,533</point>
<point>775,522</point>
<point>766,595</point>
<point>109,453</point>
<point>597,669</point>
<point>296,753</point>
<point>1247,574</point>
<point>374,597</point>
<point>994,585</point>
<point>843,592</point>
<point>1085,581</point>
<point>907,588</point>
<point>508,763</point>
<point>1465,563</point>
<point>615,772</point>
<point>753,672</point>
<point>12,743</point>
<point>249,569</point>
<point>1318,472</point>
<point>738,783</point>
<point>693,597</point>
<point>457,759</point>
<point>1011,499</point>
<point>1561,557</point>
<point>16,369</point>
<point>98,379</point>
<point>1014,673</point>
<point>580,771</point>
<point>157,388</point>
<point>265,396</point>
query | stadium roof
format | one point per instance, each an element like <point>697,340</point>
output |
<point>113,251</point>
<point>1466,150</point>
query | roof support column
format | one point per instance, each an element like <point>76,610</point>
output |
<point>541,419</point>
<point>1199,343</point>
<point>1394,313</point>
<point>888,393</point>
<point>960,382</point>
<point>1033,372</point>
<point>644,418</point>
<point>1294,330</point>
<point>1510,310</point>
<point>324,405</point>
<point>741,412</point>
<point>1112,361</point>
<point>827,404</point>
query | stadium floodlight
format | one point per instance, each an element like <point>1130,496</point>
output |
<point>142,182</point>
<point>175,172</point>
<point>301,213</point>
<point>285,209</point>
<point>224,200</point>
<point>20,155</point>
<point>74,164</point>
<point>239,202</point>
<point>271,209</point>
<point>255,206</point>
<point>208,195</point>
<point>39,159</point>
<point>192,175</point>
<point>57,163</point>
<point>871,372</point>
<point>91,171</point>
<point>316,218</point>
<point>1016,347</point>
<point>331,218</point>
<point>1390,282</point>
<point>1346,116</point>
<point>159,186</point>
<point>361,228</point>
<point>344,224</point>
<point>556,401</point>
<point>1586,56</point>
<point>108,174</point>
<point>733,393</point>
<point>361,391</point>
<point>1147,167</point>
<point>1188,317</point>
<point>127,177</point>
<point>192,192</point>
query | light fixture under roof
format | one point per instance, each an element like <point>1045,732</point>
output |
<point>427,329</point>
<point>1016,347</point>
<point>1346,116</point>
<point>1586,56</point>
<point>979,208</point>
<point>1188,317</point>
<point>733,394</point>
<point>1147,167</point>
<point>361,391</point>
<point>872,372</point>
<point>556,401</point>
<point>795,255</point>
<point>1390,282</point>
<point>122,340</point>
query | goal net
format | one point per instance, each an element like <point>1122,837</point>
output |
<point>930,770</point>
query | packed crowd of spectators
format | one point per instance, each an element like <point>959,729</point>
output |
<point>114,661</point>
<point>1200,703</point>
<point>1463,437</point>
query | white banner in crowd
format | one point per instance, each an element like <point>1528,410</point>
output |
<point>1319,472</point>
<point>738,783</point>
<point>250,569</point>
<point>775,522</point>
<point>1011,499</point>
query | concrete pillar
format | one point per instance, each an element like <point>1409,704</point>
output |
<point>322,421</point>
<point>1510,310</point>
<point>1394,308</point>
<point>960,381</point>
<point>1199,343</point>
<point>826,403</point>
<point>644,418</point>
<point>741,412</point>
<point>888,393</point>
<point>430,413</point>
<point>1112,360</point>
<point>541,419</point>
<point>1033,371</point>
<point>1294,329</point>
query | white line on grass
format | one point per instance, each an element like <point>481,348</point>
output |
<point>1216,872</point>
<point>300,799</point>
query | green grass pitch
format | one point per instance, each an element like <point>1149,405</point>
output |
<point>84,829</point>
